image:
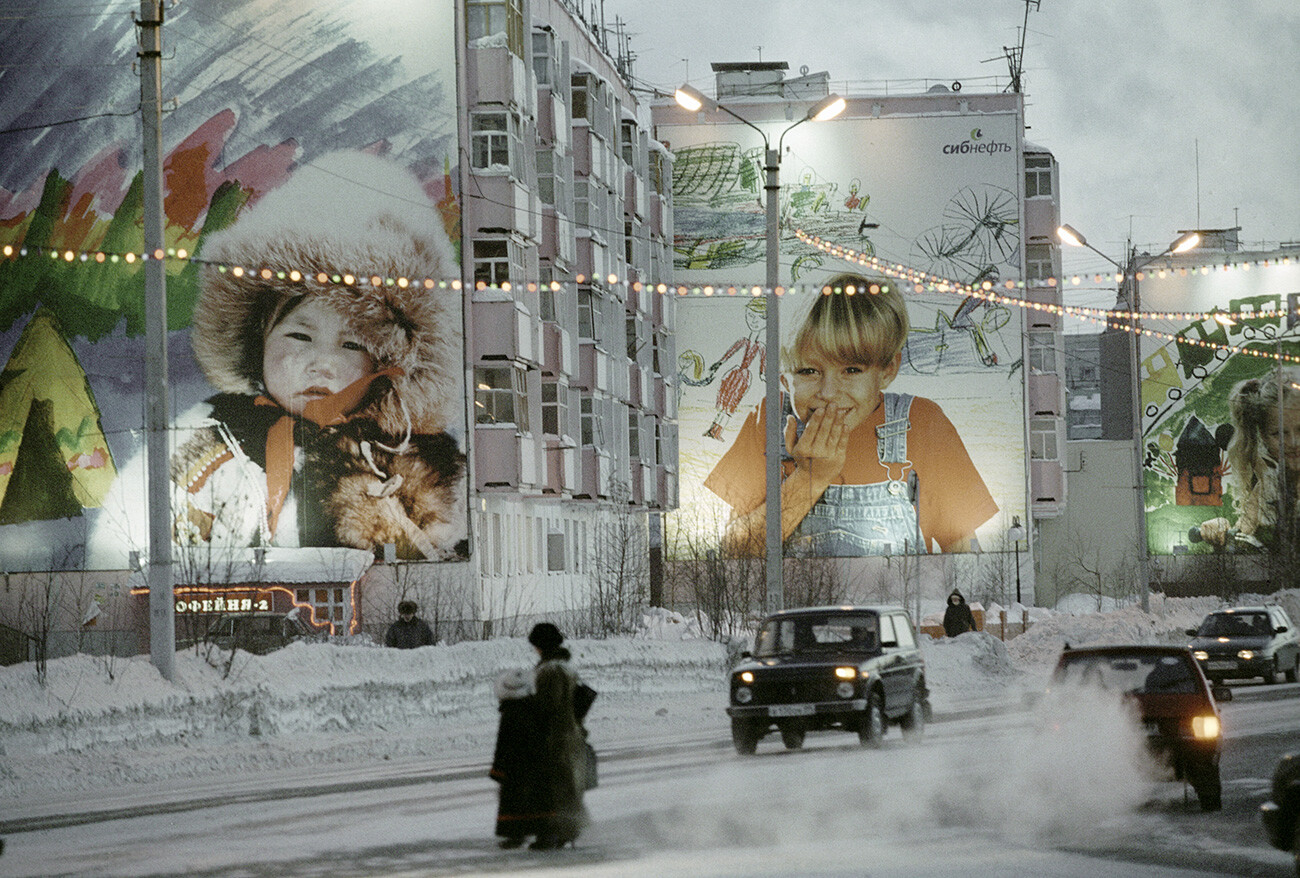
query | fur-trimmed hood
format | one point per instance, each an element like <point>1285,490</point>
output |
<point>342,213</point>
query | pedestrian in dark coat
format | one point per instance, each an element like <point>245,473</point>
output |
<point>514,764</point>
<point>957,618</point>
<point>561,751</point>
<point>409,631</point>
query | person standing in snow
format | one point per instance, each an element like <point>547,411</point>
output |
<point>409,631</point>
<point>957,618</point>
<point>514,766</point>
<point>560,748</point>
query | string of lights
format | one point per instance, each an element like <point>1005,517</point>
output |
<point>921,282</point>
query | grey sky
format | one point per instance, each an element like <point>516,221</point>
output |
<point>1124,94</point>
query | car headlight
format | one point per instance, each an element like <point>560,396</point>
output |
<point>1201,655</point>
<point>744,695</point>
<point>846,673</point>
<point>844,690</point>
<point>746,677</point>
<point>1205,727</point>
<point>1246,655</point>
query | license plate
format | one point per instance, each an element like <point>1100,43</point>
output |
<point>1221,666</point>
<point>791,710</point>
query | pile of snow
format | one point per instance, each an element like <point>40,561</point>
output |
<point>114,722</point>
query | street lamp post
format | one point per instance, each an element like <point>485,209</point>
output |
<point>1128,280</point>
<point>1016,533</point>
<point>827,108</point>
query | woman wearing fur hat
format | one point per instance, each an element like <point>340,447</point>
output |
<point>561,765</point>
<point>331,424</point>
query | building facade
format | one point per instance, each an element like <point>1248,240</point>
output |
<point>940,181</point>
<point>511,123</point>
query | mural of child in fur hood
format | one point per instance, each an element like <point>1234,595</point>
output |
<point>332,422</point>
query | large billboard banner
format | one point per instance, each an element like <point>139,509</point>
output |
<point>894,441</point>
<point>315,338</point>
<point>1220,391</point>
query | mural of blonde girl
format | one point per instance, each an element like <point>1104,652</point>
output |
<point>1254,454</point>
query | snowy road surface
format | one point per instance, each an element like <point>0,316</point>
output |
<point>351,760</point>
<point>693,808</point>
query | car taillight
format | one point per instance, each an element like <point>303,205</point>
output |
<point>1205,726</point>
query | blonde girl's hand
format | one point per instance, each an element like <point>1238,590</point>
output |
<point>824,445</point>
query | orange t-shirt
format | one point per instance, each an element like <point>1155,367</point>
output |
<point>953,497</point>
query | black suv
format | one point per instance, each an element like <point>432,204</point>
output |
<point>852,668</point>
<point>1247,642</point>
<point>1178,709</point>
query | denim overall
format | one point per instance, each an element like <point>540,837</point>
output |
<point>879,519</point>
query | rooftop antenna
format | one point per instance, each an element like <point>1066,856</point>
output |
<point>1015,55</point>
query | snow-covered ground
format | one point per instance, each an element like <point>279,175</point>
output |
<point>104,723</point>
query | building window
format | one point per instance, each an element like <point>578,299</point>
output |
<point>1038,176</point>
<point>630,140</point>
<point>1042,439</point>
<point>588,313</point>
<point>491,262</point>
<point>492,138</point>
<point>327,604</point>
<point>485,18</point>
<point>658,172</point>
<point>555,407</point>
<point>499,396</point>
<point>634,434</point>
<point>593,431</point>
<point>632,325</point>
<point>550,182</point>
<point>1042,353</point>
<point>545,63</point>
<point>1038,262</point>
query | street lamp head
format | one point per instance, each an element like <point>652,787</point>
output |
<point>1072,236</point>
<point>1016,532</point>
<point>1185,242</point>
<point>827,108</point>
<point>690,99</point>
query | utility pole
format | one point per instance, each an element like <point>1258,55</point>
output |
<point>772,373</point>
<point>162,612</point>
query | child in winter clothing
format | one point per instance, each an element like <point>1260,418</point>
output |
<point>864,471</point>
<point>331,427</point>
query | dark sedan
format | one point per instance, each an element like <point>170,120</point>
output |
<point>1247,642</point>
<point>1178,709</point>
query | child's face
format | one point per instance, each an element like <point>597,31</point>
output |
<point>1291,433</point>
<point>820,382</point>
<point>311,353</point>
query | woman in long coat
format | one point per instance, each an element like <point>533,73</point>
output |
<point>561,745</point>
<point>514,765</point>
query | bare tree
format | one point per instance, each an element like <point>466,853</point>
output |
<point>620,570</point>
<point>43,600</point>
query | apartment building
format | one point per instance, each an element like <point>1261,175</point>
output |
<point>567,202</point>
